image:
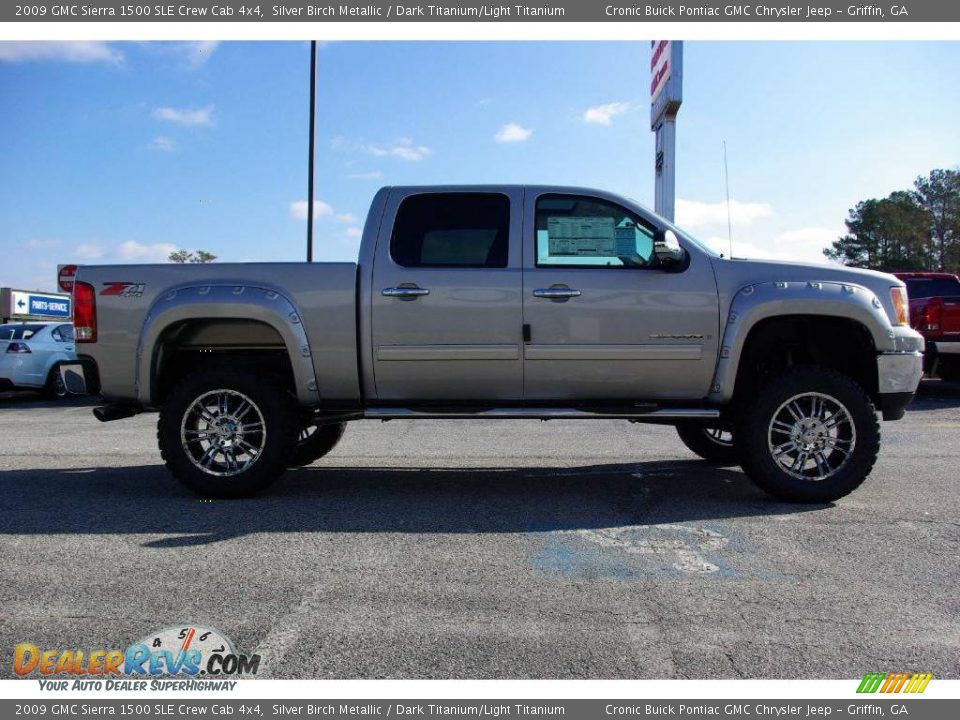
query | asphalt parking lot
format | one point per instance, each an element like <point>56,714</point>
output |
<point>519,549</point>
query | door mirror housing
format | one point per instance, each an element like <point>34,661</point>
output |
<point>668,252</point>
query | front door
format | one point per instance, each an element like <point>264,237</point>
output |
<point>606,321</point>
<point>446,303</point>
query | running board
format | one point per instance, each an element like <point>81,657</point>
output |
<point>544,413</point>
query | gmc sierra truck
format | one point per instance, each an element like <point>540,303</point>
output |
<point>935,314</point>
<point>503,302</point>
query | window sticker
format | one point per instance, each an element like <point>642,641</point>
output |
<point>581,237</point>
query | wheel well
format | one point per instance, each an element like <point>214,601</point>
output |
<point>841,344</point>
<point>189,345</point>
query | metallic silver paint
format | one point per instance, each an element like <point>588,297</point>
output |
<point>631,334</point>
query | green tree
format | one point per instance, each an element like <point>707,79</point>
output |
<point>888,234</point>
<point>187,256</point>
<point>939,196</point>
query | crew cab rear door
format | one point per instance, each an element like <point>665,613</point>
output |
<point>606,321</point>
<point>446,296</point>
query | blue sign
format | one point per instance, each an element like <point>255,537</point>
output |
<point>45,305</point>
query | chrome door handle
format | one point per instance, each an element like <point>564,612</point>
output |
<point>556,293</point>
<point>404,293</point>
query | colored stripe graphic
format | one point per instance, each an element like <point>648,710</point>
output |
<point>894,682</point>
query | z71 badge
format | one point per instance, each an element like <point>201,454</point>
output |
<point>123,289</point>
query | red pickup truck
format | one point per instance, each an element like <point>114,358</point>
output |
<point>935,313</point>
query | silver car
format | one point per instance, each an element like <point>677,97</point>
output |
<point>31,354</point>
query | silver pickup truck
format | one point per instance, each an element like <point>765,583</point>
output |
<point>503,302</point>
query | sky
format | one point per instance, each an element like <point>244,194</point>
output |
<point>123,152</point>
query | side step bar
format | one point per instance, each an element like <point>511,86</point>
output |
<point>391,413</point>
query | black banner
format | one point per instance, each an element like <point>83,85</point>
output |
<point>466,11</point>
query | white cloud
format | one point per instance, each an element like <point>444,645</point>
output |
<point>371,175</point>
<point>695,214</point>
<point>133,251</point>
<point>354,232</point>
<point>185,116</point>
<point>347,218</point>
<point>298,209</point>
<point>74,52</point>
<point>801,245</point>
<point>404,149</point>
<point>604,114</point>
<point>89,251</point>
<point>512,132</point>
<point>163,144</point>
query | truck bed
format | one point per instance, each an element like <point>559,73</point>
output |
<point>322,294</point>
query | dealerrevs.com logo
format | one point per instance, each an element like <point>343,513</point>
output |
<point>190,652</point>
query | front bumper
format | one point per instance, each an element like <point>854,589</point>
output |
<point>898,375</point>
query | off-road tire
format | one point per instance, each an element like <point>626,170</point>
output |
<point>698,438</point>
<point>949,371</point>
<point>270,400</point>
<point>755,445</point>
<point>321,441</point>
<point>54,388</point>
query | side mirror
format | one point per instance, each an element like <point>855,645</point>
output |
<point>667,250</point>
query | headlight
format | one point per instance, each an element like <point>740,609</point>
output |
<point>900,306</point>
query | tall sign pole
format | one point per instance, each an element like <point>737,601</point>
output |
<point>666,94</point>
<point>313,113</point>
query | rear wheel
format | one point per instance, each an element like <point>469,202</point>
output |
<point>55,388</point>
<point>949,370</point>
<point>314,441</point>
<point>227,433</point>
<point>711,442</point>
<point>812,435</point>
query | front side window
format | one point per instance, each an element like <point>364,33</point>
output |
<point>465,230</point>
<point>582,231</point>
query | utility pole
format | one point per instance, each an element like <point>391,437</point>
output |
<point>310,152</point>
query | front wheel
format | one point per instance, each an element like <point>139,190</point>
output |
<point>711,442</point>
<point>227,433</point>
<point>812,435</point>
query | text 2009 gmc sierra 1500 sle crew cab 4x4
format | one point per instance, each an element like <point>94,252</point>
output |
<point>504,302</point>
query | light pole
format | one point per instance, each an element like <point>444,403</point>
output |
<point>310,152</point>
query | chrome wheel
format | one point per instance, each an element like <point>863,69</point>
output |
<point>307,432</point>
<point>812,436</point>
<point>721,437</point>
<point>223,433</point>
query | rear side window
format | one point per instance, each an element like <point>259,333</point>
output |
<point>63,333</point>
<point>932,287</point>
<point>467,230</point>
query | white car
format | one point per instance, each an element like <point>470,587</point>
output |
<point>31,353</point>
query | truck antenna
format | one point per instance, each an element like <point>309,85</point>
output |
<point>726,178</point>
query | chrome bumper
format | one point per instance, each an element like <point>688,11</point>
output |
<point>899,372</point>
